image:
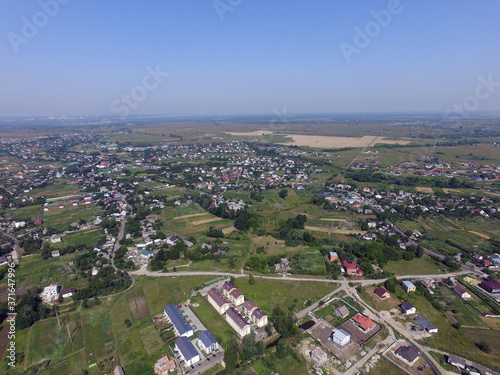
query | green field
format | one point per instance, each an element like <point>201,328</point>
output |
<point>416,266</point>
<point>268,294</point>
<point>87,237</point>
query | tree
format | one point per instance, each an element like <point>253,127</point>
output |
<point>390,284</point>
<point>251,280</point>
<point>283,193</point>
<point>420,251</point>
<point>215,233</point>
<point>231,357</point>
<point>128,323</point>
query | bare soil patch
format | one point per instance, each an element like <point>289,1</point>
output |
<point>339,142</point>
<point>423,189</point>
<point>251,134</point>
<point>480,235</point>
<point>333,230</point>
<point>200,222</point>
<point>229,230</point>
<point>189,216</point>
<point>342,220</point>
<point>138,304</point>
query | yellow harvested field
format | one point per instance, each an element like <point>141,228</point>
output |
<point>342,220</point>
<point>480,235</point>
<point>447,191</point>
<point>333,230</point>
<point>200,222</point>
<point>228,230</point>
<point>424,189</point>
<point>189,216</point>
<point>252,134</point>
<point>339,142</point>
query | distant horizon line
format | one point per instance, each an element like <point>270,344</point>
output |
<point>285,115</point>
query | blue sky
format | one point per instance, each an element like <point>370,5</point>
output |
<point>262,55</point>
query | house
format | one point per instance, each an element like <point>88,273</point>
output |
<point>67,292</point>
<point>341,311</point>
<point>55,253</point>
<point>332,256</point>
<point>236,297</point>
<point>461,292</point>
<point>259,317</point>
<point>55,238</point>
<point>218,301</point>
<point>232,294</point>
<point>363,322</point>
<point>181,325</point>
<point>352,269</point>
<point>382,293</point>
<point>238,322</point>
<point>369,236</point>
<point>319,356</point>
<point>164,365</point>
<point>283,266</point>
<point>426,324</point>
<point>491,286</point>
<point>407,354</point>
<point>51,291</point>
<point>458,362</point>
<point>172,240</point>
<point>187,351</point>
<point>118,371</point>
<point>207,342</point>
<point>147,255</point>
<point>408,286</point>
<point>340,338</point>
<point>408,308</point>
<point>249,307</point>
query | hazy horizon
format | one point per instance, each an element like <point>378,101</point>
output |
<point>178,59</point>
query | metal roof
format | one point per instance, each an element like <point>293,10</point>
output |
<point>207,338</point>
<point>187,349</point>
<point>180,323</point>
<point>425,323</point>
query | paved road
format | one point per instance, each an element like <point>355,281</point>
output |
<point>120,234</point>
<point>144,272</point>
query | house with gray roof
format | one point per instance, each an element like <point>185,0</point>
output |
<point>181,325</point>
<point>340,338</point>
<point>187,351</point>
<point>407,354</point>
<point>426,324</point>
<point>207,342</point>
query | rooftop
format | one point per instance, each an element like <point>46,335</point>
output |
<point>177,319</point>
<point>207,338</point>
<point>237,317</point>
<point>217,297</point>
<point>363,321</point>
<point>425,323</point>
<point>186,348</point>
<point>341,335</point>
<point>409,353</point>
<point>258,314</point>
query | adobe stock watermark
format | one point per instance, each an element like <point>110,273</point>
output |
<point>482,92</point>
<point>31,26</point>
<point>279,122</point>
<point>372,29</point>
<point>224,6</point>
<point>139,93</point>
<point>11,315</point>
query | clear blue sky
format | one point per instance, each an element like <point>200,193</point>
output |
<point>265,54</point>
